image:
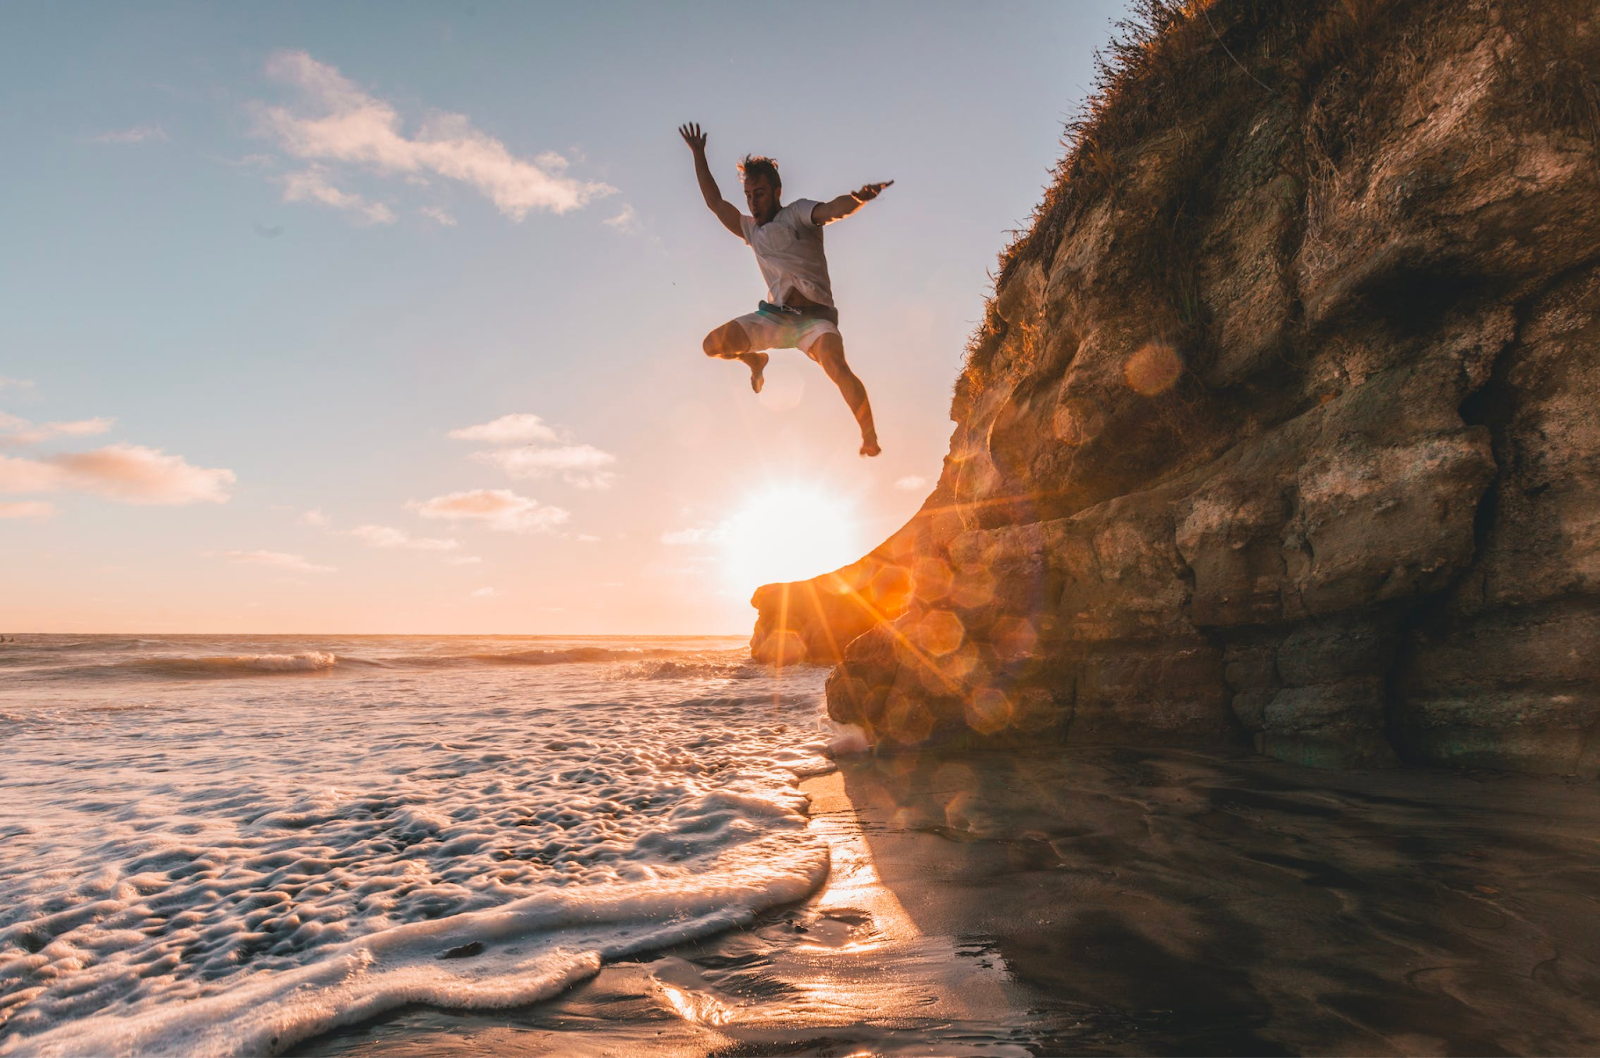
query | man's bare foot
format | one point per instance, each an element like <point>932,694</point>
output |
<point>869,446</point>
<point>758,364</point>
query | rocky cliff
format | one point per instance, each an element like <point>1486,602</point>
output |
<point>1281,429</point>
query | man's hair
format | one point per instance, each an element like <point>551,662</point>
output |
<point>760,165</point>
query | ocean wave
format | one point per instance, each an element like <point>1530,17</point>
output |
<point>559,656</point>
<point>283,879</point>
<point>735,667</point>
<point>227,666</point>
<point>234,665</point>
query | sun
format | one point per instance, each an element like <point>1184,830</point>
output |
<point>789,532</point>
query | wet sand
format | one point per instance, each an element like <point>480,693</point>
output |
<point>1121,901</point>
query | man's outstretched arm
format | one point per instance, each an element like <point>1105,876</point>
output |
<point>725,210</point>
<point>846,204</point>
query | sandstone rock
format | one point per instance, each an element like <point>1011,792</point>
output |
<point>1281,430</point>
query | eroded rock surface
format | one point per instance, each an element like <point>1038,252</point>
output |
<point>1287,436</point>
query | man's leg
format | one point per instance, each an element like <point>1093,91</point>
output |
<point>730,342</point>
<point>829,352</point>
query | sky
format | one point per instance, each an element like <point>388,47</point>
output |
<point>387,318</point>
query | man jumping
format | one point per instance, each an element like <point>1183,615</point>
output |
<point>787,241</point>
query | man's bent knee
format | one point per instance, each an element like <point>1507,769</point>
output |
<point>726,342</point>
<point>828,351</point>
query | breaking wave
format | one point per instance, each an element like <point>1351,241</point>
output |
<point>40,665</point>
<point>220,868</point>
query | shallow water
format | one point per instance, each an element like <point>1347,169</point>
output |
<point>407,847</point>
<point>1109,901</point>
<point>224,844</point>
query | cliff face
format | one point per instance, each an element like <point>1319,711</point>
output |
<point>1282,430</point>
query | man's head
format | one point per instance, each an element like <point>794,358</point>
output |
<point>762,186</point>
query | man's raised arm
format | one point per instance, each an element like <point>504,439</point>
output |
<point>725,210</point>
<point>846,204</point>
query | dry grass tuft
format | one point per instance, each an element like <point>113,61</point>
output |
<point>1174,64</point>
<point>1553,59</point>
<point>1169,62</point>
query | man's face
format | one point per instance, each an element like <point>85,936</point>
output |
<point>761,196</point>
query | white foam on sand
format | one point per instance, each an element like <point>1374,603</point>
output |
<point>232,868</point>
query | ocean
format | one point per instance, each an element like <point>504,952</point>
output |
<point>228,844</point>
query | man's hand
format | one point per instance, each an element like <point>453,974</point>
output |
<point>693,137</point>
<point>726,212</point>
<point>867,192</point>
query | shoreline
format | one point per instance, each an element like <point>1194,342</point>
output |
<point>1120,901</point>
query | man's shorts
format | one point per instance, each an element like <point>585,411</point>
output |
<point>779,330</point>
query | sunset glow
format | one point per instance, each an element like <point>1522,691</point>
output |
<point>401,332</point>
<point>789,532</point>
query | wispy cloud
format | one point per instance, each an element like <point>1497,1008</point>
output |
<point>499,509</point>
<point>337,121</point>
<point>694,535</point>
<point>508,429</point>
<point>37,510</point>
<point>137,134</point>
<point>276,559</point>
<point>125,472</point>
<point>583,466</point>
<point>911,483</point>
<point>311,185</point>
<point>315,517</point>
<point>14,383</point>
<point>463,560</point>
<point>22,432</point>
<point>625,222</point>
<point>484,593</point>
<point>384,536</point>
<point>434,213</point>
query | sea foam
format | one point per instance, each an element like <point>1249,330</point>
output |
<point>237,866</point>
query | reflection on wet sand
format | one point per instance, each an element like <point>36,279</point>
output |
<point>1120,901</point>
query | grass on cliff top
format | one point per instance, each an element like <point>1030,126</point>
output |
<point>1171,59</point>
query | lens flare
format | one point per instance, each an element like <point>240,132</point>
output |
<point>1153,369</point>
<point>988,710</point>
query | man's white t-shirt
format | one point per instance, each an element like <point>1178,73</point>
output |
<point>789,250</point>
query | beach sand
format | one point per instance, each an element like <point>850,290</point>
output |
<point>1121,901</point>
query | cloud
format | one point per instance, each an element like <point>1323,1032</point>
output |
<point>137,134</point>
<point>584,466</point>
<point>25,433</point>
<point>276,559</point>
<point>336,121</point>
<point>268,231</point>
<point>499,509</point>
<point>697,534</point>
<point>383,536</point>
<point>37,510</point>
<point>484,593</point>
<point>463,560</point>
<point>28,475</point>
<point>911,483</point>
<point>581,465</point>
<point>14,383</point>
<point>130,473</point>
<point>311,185</point>
<point>434,213</point>
<point>508,429</point>
<point>315,517</point>
<point>626,221</point>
